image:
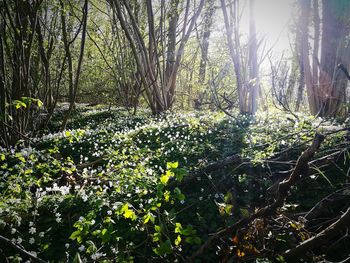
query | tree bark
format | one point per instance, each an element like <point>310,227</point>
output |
<point>334,31</point>
<point>186,31</point>
<point>171,47</point>
<point>80,61</point>
<point>208,21</point>
<point>234,52</point>
<point>305,68</point>
<point>253,62</point>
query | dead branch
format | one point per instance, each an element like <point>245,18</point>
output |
<point>229,160</point>
<point>90,164</point>
<point>21,250</point>
<point>234,159</point>
<point>339,196</point>
<point>321,238</point>
<point>283,189</point>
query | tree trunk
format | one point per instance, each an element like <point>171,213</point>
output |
<point>334,31</point>
<point>67,51</point>
<point>306,70</point>
<point>234,52</point>
<point>171,47</point>
<point>80,61</point>
<point>3,93</point>
<point>186,32</point>
<point>208,21</point>
<point>301,47</point>
<point>315,60</point>
<point>253,62</point>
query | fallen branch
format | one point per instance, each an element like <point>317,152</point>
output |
<point>230,160</point>
<point>21,250</point>
<point>235,159</point>
<point>282,192</point>
<point>327,203</point>
<point>321,238</point>
<point>90,164</point>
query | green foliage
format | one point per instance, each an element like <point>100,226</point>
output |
<point>25,102</point>
<point>115,186</point>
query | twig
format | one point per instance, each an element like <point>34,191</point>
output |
<point>328,202</point>
<point>21,250</point>
<point>321,238</point>
<point>16,131</point>
<point>93,163</point>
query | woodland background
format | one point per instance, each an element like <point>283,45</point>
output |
<point>119,117</point>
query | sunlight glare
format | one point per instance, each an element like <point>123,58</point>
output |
<point>272,19</point>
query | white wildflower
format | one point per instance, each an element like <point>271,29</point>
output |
<point>32,230</point>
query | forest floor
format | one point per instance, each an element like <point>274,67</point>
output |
<point>174,188</point>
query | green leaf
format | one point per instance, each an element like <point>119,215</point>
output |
<point>46,246</point>
<point>164,248</point>
<point>188,231</point>
<point>20,157</point>
<point>19,104</point>
<point>157,228</point>
<point>179,195</point>
<point>180,174</point>
<point>164,179</point>
<point>91,247</point>
<point>148,217</point>
<point>244,212</point>
<point>106,234</point>
<point>173,165</point>
<point>39,103</point>
<point>166,196</point>
<point>178,240</point>
<point>75,235</point>
<point>178,228</point>
<point>2,157</point>
<point>228,209</point>
<point>68,134</point>
<point>193,240</point>
<point>77,258</point>
<point>228,197</point>
<point>128,213</point>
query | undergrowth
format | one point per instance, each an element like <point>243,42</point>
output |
<point>113,187</point>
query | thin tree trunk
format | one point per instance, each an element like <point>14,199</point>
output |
<point>235,57</point>
<point>3,95</point>
<point>67,51</point>
<point>305,71</point>
<point>139,59</point>
<point>46,64</point>
<point>171,48</point>
<point>301,47</point>
<point>78,71</point>
<point>253,62</point>
<point>208,21</point>
<point>315,60</point>
<point>171,85</point>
